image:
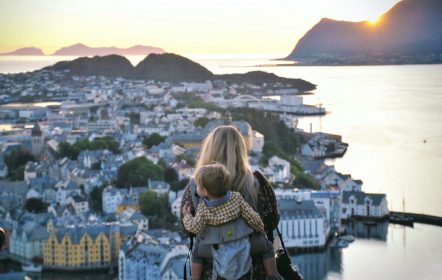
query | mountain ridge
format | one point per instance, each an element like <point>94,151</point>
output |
<point>25,51</point>
<point>80,49</point>
<point>165,67</point>
<point>411,31</point>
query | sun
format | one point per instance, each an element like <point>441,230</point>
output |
<point>374,21</point>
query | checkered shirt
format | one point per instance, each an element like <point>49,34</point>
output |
<point>229,211</point>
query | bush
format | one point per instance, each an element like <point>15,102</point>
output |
<point>16,162</point>
<point>156,208</point>
<point>35,205</point>
<point>153,140</point>
<point>137,172</point>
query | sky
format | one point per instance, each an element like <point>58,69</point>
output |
<point>181,26</point>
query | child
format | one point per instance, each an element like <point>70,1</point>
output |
<point>219,207</point>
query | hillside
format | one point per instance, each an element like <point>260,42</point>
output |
<point>259,77</point>
<point>410,32</point>
<point>170,67</point>
<point>108,66</point>
<point>167,67</point>
<point>25,51</point>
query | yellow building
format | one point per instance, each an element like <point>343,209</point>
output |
<point>128,203</point>
<point>82,247</point>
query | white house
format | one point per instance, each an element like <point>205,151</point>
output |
<point>301,224</point>
<point>348,184</point>
<point>79,203</point>
<point>173,263</point>
<point>26,241</point>
<point>64,189</point>
<point>32,193</point>
<point>175,207</point>
<point>111,198</point>
<point>370,205</point>
<point>3,168</point>
<point>140,261</point>
<point>279,170</point>
<point>258,142</point>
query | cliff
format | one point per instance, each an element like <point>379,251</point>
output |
<point>410,29</point>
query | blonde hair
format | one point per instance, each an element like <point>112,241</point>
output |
<point>215,178</point>
<point>226,145</point>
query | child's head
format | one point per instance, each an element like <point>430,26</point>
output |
<point>214,178</point>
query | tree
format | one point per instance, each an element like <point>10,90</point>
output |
<point>16,161</point>
<point>96,197</point>
<point>65,149</point>
<point>153,140</point>
<point>137,172</point>
<point>156,208</point>
<point>303,180</point>
<point>179,185</point>
<point>201,122</point>
<point>35,205</point>
<point>134,117</point>
<point>170,175</point>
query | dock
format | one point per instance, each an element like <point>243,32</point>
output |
<point>420,218</point>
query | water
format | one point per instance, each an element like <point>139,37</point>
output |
<point>381,252</point>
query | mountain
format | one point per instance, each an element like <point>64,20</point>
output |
<point>108,66</point>
<point>83,50</point>
<point>411,31</point>
<point>166,67</point>
<point>259,77</point>
<point>170,67</point>
<point>25,51</point>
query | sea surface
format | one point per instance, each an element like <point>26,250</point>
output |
<point>391,116</point>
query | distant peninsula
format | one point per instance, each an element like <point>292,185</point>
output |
<point>25,51</point>
<point>410,32</point>
<point>83,50</point>
<point>167,67</point>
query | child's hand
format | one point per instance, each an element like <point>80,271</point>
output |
<point>186,209</point>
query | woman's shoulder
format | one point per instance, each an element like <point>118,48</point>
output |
<point>260,180</point>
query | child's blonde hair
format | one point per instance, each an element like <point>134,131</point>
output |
<point>214,177</point>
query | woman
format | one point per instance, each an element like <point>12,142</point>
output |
<point>226,145</point>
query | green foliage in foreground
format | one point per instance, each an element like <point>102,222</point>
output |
<point>192,100</point>
<point>136,172</point>
<point>65,149</point>
<point>96,198</point>
<point>16,161</point>
<point>201,122</point>
<point>279,140</point>
<point>156,208</point>
<point>36,205</point>
<point>153,140</point>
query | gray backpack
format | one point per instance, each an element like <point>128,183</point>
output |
<point>230,245</point>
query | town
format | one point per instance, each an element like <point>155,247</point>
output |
<point>93,179</point>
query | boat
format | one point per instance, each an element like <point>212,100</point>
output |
<point>32,267</point>
<point>347,238</point>
<point>340,243</point>
<point>401,220</point>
